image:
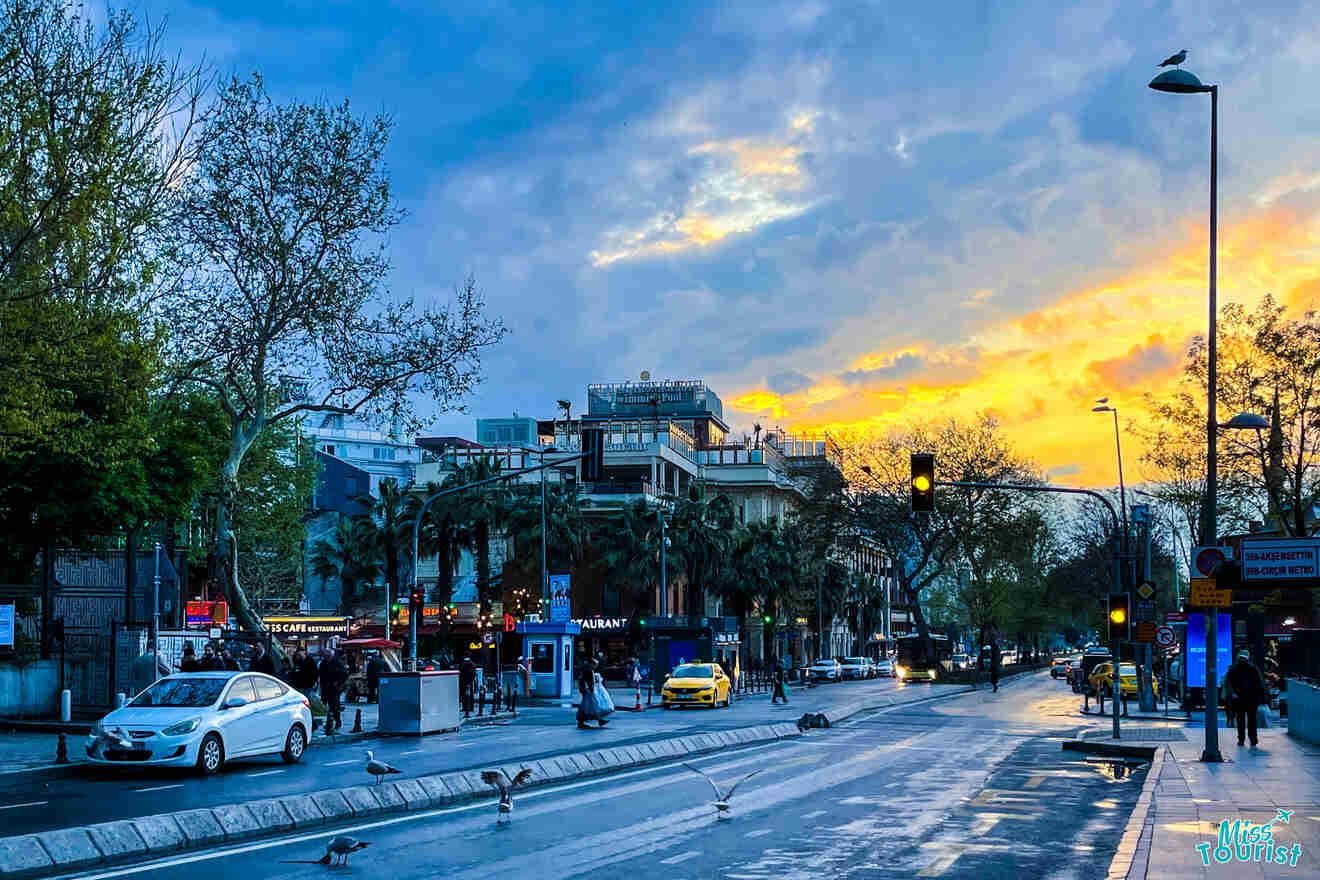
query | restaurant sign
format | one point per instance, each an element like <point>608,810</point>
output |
<point>602,624</point>
<point>207,613</point>
<point>304,627</point>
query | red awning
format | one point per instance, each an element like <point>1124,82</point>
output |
<point>369,643</point>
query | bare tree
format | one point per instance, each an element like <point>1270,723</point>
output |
<point>283,224</point>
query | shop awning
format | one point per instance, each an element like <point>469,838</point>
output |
<point>369,643</point>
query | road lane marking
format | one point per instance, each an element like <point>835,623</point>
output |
<point>29,804</point>
<point>813,814</point>
<point>412,751</point>
<point>760,833</point>
<point>158,788</point>
<point>1035,781</point>
<point>342,763</point>
<point>674,860</point>
<point>264,773</point>
<point>175,861</point>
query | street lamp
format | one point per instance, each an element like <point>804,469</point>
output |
<point>1118,446</point>
<point>545,577</point>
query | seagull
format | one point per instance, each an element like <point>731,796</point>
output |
<point>721,803</point>
<point>379,769</point>
<point>500,781</point>
<point>340,847</point>
<point>115,739</point>
<point>1175,60</point>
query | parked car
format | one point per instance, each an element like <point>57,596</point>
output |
<point>204,719</point>
<point>855,668</point>
<point>885,667</point>
<point>961,662</point>
<point>1073,673</point>
<point>1059,667</point>
<point>1102,679</point>
<point>826,670</point>
<point>1090,660</point>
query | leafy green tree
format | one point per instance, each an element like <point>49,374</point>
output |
<point>386,528</point>
<point>628,549</point>
<point>439,534</point>
<point>278,238</point>
<point>481,511</point>
<point>346,555</point>
<point>703,533</point>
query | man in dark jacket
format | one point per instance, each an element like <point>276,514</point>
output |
<point>230,661</point>
<point>189,662</point>
<point>305,673</point>
<point>467,680</point>
<point>261,661</point>
<point>333,675</point>
<point>211,661</point>
<point>1248,693</point>
<point>375,666</point>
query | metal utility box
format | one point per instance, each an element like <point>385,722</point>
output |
<point>418,702</point>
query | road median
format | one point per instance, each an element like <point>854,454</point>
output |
<point>72,849</point>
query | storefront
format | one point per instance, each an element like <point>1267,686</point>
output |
<point>607,637</point>
<point>312,634</point>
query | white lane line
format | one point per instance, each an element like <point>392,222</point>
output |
<point>760,833</point>
<point>813,814</point>
<point>264,773</point>
<point>674,860</point>
<point>158,788</point>
<point>29,804</point>
<point>412,751</point>
<point>174,861</point>
<point>342,763</point>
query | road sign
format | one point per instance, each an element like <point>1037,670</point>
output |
<point>1146,591</point>
<point>7,624</point>
<point>1175,617</point>
<point>1164,636</point>
<point>1145,632</point>
<point>1280,559</point>
<point>1204,594</point>
<point>1204,559</point>
<point>561,592</point>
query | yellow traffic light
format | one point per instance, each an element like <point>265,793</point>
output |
<point>921,483</point>
<point>1118,615</point>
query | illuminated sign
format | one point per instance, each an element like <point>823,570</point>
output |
<point>1280,559</point>
<point>306,626</point>
<point>206,613</point>
<point>602,623</point>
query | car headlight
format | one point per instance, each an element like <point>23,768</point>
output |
<point>182,727</point>
<point>901,671</point>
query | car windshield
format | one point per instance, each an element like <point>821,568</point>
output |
<point>1125,669</point>
<point>853,661</point>
<point>190,693</point>
<point>690,671</point>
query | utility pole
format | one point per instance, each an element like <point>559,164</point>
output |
<point>155,615</point>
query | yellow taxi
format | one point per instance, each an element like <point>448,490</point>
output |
<point>1102,679</point>
<point>696,684</point>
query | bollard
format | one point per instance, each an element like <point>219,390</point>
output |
<point>513,702</point>
<point>357,722</point>
<point>481,702</point>
<point>66,705</point>
<point>62,749</point>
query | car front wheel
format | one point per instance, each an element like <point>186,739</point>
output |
<point>294,745</point>
<point>211,755</point>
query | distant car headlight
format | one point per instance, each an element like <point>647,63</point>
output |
<point>182,727</point>
<point>901,671</point>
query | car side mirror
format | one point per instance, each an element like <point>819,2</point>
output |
<point>234,703</point>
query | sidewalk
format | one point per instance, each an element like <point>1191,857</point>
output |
<point>33,751</point>
<point>1187,800</point>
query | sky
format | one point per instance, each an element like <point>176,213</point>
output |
<point>842,216</point>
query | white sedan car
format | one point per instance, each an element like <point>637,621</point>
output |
<point>203,719</point>
<point>826,670</point>
<point>884,666</point>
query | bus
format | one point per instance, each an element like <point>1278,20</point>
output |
<point>917,663</point>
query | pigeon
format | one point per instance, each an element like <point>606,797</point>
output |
<point>115,739</point>
<point>1175,60</point>
<point>500,781</point>
<point>379,769</point>
<point>721,803</point>
<point>339,848</point>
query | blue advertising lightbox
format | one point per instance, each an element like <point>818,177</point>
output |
<point>1196,647</point>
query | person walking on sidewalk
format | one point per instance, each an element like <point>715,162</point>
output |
<point>189,662</point>
<point>261,661</point>
<point>334,675</point>
<point>781,686</point>
<point>994,670</point>
<point>1249,692</point>
<point>305,673</point>
<point>467,682</point>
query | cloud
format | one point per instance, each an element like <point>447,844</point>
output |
<point>1143,365</point>
<point>1063,470</point>
<point>789,382</point>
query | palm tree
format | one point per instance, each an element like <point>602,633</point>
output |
<point>703,539</point>
<point>630,550</point>
<point>565,529</point>
<point>347,554</point>
<point>439,534</point>
<point>481,510</point>
<point>387,526</point>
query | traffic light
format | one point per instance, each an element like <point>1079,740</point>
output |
<point>593,449</point>
<point>923,482</point>
<point>1120,618</point>
<point>769,618</point>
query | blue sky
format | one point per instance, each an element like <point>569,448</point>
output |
<point>841,215</point>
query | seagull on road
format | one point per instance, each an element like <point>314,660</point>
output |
<point>721,803</point>
<point>115,739</point>
<point>379,769</point>
<point>1175,60</point>
<point>339,848</point>
<point>500,781</point>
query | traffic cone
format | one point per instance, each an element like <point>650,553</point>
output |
<point>638,707</point>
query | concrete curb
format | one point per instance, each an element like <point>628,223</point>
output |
<point>1125,857</point>
<point>72,849</point>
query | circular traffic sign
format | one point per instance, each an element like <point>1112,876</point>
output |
<point>1164,636</point>
<point>1207,560</point>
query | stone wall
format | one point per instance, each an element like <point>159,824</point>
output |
<point>30,690</point>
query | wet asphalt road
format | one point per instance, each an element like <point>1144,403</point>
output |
<point>976,786</point>
<point>30,802</point>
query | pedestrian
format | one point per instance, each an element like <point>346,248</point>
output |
<point>994,668</point>
<point>525,673</point>
<point>603,699</point>
<point>588,706</point>
<point>211,661</point>
<point>333,676</point>
<point>1249,692</point>
<point>375,666</point>
<point>781,686</point>
<point>190,663</point>
<point>261,661</point>
<point>305,673</point>
<point>146,669</point>
<point>230,661</point>
<point>467,682</point>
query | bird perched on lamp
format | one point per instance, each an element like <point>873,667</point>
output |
<point>1175,60</point>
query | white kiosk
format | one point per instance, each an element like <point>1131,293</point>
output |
<point>548,648</point>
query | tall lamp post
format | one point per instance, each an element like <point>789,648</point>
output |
<point>1182,82</point>
<point>1122,489</point>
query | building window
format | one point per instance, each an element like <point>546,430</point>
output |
<point>328,449</point>
<point>382,454</point>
